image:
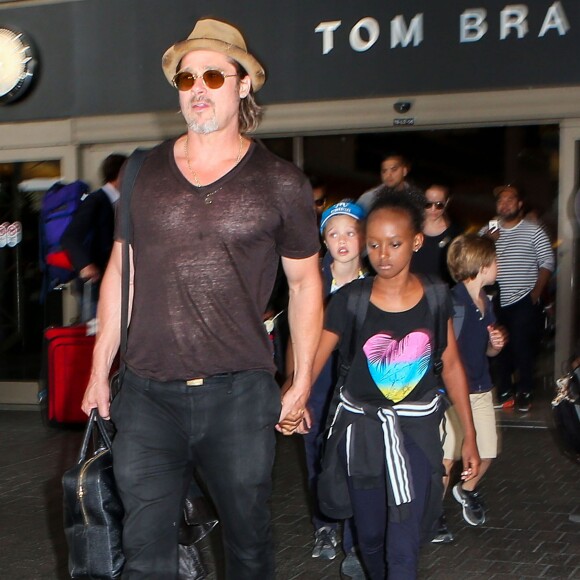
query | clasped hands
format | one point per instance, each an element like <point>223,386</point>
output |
<point>298,421</point>
<point>294,416</point>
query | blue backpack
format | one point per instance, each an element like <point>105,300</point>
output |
<point>59,205</point>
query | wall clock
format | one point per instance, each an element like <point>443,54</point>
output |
<point>18,64</point>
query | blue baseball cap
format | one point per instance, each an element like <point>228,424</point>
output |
<point>344,207</point>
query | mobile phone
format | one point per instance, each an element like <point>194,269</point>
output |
<point>493,226</point>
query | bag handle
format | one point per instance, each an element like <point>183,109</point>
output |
<point>94,419</point>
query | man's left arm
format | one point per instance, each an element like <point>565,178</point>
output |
<point>545,257</point>
<point>305,314</point>
<point>544,276</point>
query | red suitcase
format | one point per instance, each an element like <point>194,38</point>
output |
<point>68,366</point>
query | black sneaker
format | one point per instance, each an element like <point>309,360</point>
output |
<point>524,402</point>
<point>473,510</point>
<point>443,536</point>
<point>325,543</point>
<point>504,401</point>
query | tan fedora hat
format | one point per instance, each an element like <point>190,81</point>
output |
<point>218,36</point>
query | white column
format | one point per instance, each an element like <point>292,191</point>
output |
<point>567,285</point>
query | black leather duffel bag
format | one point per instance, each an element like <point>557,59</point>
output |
<point>93,512</point>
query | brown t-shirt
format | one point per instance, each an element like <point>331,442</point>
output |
<point>204,272</point>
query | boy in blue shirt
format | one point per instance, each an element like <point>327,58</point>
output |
<point>472,263</point>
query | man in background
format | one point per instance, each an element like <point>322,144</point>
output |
<point>525,263</point>
<point>88,239</point>
<point>394,170</point>
<point>318,195</point>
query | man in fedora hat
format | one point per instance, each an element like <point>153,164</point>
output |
<point>211,212</point>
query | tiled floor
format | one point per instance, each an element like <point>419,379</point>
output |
<point>530,491</point>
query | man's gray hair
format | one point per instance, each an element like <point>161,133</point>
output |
<point>250,114</point>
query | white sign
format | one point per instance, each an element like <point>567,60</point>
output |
<point>473,26</point>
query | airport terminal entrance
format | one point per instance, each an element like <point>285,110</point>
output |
<point>471,161</point>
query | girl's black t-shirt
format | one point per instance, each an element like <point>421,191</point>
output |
<point>393,362</point>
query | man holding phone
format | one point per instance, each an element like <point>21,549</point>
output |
<point>525,264</point>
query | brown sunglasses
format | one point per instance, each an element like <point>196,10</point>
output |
<point>212,79</point>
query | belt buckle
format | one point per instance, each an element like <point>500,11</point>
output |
<point>194,383</point>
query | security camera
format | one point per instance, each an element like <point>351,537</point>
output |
<point>402,106</point>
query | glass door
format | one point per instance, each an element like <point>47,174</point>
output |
<point>22,315</point>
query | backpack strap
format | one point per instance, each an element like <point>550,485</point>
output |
<point>458,316</point>
<point>356,307</point>
<point>359,295</point>
<point>436,292</point>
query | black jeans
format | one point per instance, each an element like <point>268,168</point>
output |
<point>523,322</point>
<point>225,431</point>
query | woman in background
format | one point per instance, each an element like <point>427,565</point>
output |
<point>438,233</point>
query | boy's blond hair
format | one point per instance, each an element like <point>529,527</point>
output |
<point>469,253</point>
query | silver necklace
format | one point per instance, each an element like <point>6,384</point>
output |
<point>196,181</point>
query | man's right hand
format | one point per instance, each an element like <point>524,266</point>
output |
<point>90,272</point>
<point>492,234</point>
<point>97,395</point>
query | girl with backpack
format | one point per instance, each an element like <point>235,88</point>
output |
<point>382,460</point>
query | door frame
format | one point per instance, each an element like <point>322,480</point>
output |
<point>67,155</point>
<point>567,285</point>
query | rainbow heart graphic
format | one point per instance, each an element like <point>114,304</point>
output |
<point>397,366</point>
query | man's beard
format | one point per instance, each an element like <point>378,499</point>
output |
<point>510,216</point>
<point>205,127</point>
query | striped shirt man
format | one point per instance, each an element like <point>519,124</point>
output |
<point>521,251</point>
<point>525,263</point>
